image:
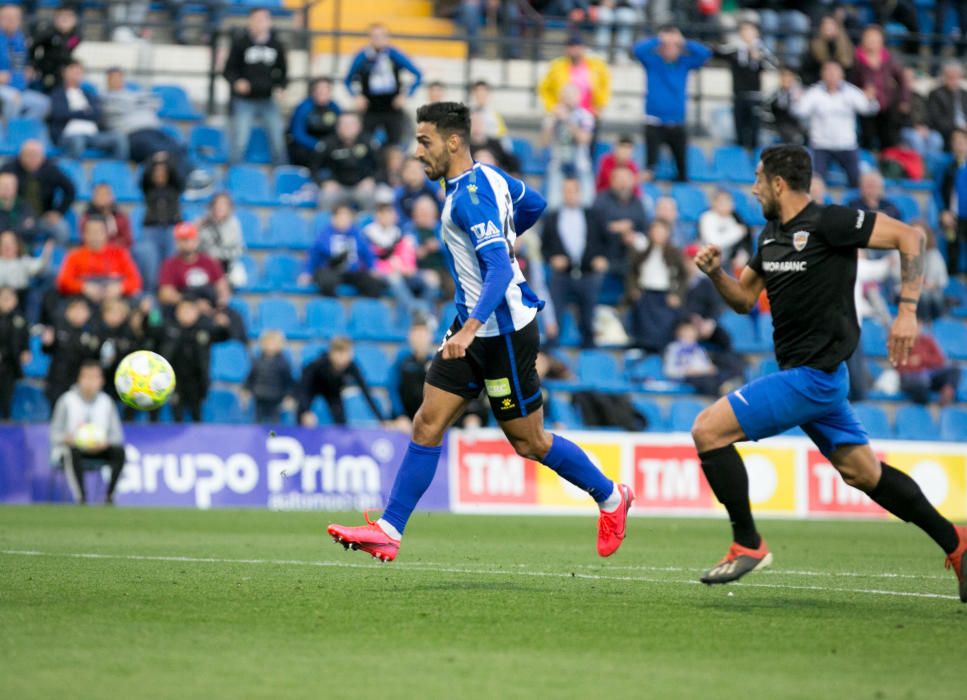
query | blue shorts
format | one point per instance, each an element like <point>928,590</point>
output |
<point>803,396</point>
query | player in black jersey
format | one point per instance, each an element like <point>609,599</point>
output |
<point>806,262</point>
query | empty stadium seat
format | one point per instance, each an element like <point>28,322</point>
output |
<point>252,232</point>
<point>223,406</point>
<point>29,404</point>
<point>75,171</point>
<point>175,104</point>
<point>241,307</point>
<point>257,150</point>
<point>253,273</point>
<point>229,362</point>
<point>682,414</point>
<point>325,317</point>
<point>208,144</point>
<point>280,314</point>
<point>646,368</point>
<point>652,412</point>
<point>691,201</point>
<point>118,175</point>
<point>734,164</point>
<point>372,363</point>
<point>916,423</point>
<point>249,185</point>
<point>953,424</point>
<point>699,169</point>
<point>281,272</point>
<point>874,419</point>
<point>371,319</point>
<point>562,411</point>
<point>951,335</point>
<point>747,207</point>
<point>597,369</point>
<point>287,229</point>
<point>288,180</point>
<point>20,130</point>
<point>358,412</point>
<point>531,162</point>
<point>567,331</point>
<point>907,204</point>
<point>873,337</point>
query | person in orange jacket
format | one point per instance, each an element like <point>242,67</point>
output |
<point>96,270</point>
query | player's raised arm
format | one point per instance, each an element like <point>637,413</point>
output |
<point>741,294</point>
<point>890,234</point>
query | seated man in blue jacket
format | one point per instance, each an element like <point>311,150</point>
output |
<point>312,123</point>
<point>341,255</point>
<point>75,118</point>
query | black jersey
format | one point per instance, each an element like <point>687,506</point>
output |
<point>809,267</point>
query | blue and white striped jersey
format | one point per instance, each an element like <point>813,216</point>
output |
<point>483,211</point>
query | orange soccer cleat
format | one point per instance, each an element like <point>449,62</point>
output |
<point>958,562</point>
<point>611,526</point>
<point>369,538</point>
<point>737,563</point>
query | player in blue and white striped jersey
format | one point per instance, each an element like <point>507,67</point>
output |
<point>491,346</point>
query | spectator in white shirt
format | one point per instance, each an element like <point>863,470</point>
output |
<point>568,131</point>
<point>722,227</point>
<point>830,108</point>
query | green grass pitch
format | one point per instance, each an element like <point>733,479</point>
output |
<point>115,603</point>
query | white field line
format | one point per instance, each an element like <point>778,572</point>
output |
<point>458,570</point>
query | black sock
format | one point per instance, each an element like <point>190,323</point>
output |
<point>899,494</point>
<point>726,474</point>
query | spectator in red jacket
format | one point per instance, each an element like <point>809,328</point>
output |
<point>190,273</point>
<point>927,370</point>
<point>103,205</point>
<point>875,68</point>
<point>622,155</point>
<point>96,269</point>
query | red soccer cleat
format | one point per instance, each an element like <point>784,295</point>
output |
<point>369,538</point>
<point>958,562</point>
<point>737,563</point>
<point>611,526</point>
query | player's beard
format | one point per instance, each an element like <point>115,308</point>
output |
<point>438,170</point>
<point>770,208</point>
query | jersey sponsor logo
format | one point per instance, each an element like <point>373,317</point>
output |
<point>784,266</point>
<point>738,394</point>
<point>860,218</point>
<point>486,231</point>
<point>497,387</point>
<point>800,239</point>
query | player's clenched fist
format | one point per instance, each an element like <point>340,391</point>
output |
<point>456,346</point>
<point>709,259</point>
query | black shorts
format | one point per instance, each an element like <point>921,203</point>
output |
<point>505,366</point>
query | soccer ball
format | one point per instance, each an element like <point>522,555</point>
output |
<point>89,435</point>
<point>144,380</point>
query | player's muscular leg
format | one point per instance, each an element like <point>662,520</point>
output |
<point>527,435</point>
<point>716,427</point>
<point>438,412</point>
<point>858,466</point>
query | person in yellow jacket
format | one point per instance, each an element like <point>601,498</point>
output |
<point>590,74</point>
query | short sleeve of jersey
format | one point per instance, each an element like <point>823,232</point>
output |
<point>844,227</point>
<point>476,213</point>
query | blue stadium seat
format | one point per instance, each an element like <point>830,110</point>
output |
<point>257,150</point>
<point>563,411</point>
<point>567,332</point>
<point>645,368</point>
<point>241,307</point>
<point>598,369</point>
<point>907,204</point>
<point>207,144</point>
<point>249,185</point>
<point>953,424</point>
<point>175,104</point>
<point>29,404</point>
<point>873,338</point>
<point>75,171</point>
<point>252,232</point>
<point>119,176</point>
<point>951,335</point>
<point>289,179</point>
<point>223,406</point>
<point>253,273</point>
<point>229,362</point>
<point>682,414</point>
<point>699,169</point>
<point>358,412</point>
<point>875,420</point>
<point>531,162</point>
<point>371,319</point>
<point>372,363</point>
<point>734,164</point>
<point>916,423</point>
<point>280,314</point>
<point>20,130</point>
<point>280,274</point>
<point>691,201</point>
<point>747,207</point>
<point>287,229</point>
<point>325,318</point>
<point>652,411</point>
<point>39,360</point>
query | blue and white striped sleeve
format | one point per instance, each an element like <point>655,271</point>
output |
<point>528,203</point>
<point>478,215</point>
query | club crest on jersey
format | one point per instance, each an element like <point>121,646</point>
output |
<point>800,239</point>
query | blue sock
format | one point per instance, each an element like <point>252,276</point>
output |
<point>416,473</point>
<point>573,465</point>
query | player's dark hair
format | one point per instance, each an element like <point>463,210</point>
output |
<point>447,117</point>
<point>791,163</point>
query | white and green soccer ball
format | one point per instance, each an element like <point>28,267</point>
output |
<point>89,436</point>
<point>144,380</point>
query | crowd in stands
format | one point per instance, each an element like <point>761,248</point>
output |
<point>615,248</point>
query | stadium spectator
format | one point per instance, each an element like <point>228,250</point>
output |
<point>782,19</point>
<point>84,405</point>
<point>509,20</point>
<point>656,287</point>
<point>424,226</point>
<point>953,198</point>
<point>414,185</point>
<point>270,379</point>
<point>482,106</point>
<point>102,205</point>
<point>575,250</point>
<point>589,74</point>
<point>350,159</point>
<point>747,56</point>
<point>341,255</point>
<point>666,209</point>
<point>722,226</point>
<point>17,269</point>
<point>479,142</point>
<point>915,129</point>
<point>374,79</point>
<point>17,98</point>
<point>875,67</point>
<point>436,91</point>
<point>312,124</point>
<point>830,109</point>
<point>162,186</point>
<point>220,237</point>
<point>15,214</point>
<point>947,103</point>
<point>621,155</point>
<point>120,332</point>
<point>817,190</point>
<point>408,374</point>
<point>779,108</point>
<point>829,43</point>
<point>927,369</point>
<point>96,269</point>
<point>567,132</point>
<point>617,19</point>
<point>940,10</point>
<point>703,305</point>
<point>871,196</point>
<point>75,118</point>
<point>395,260</point>
<point>257,71</point>
<point>935,278</point>
<point>903,12</point>
<point>185,340</point>
<point>687,361</point>
<point>327,376</point>
<point>619,216</point>
<point>14,346</point>
<point>192,274</point>
<point>45,189</point>
<point>69,342</point>
<point>53,48</point>
<point>668,59</point>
